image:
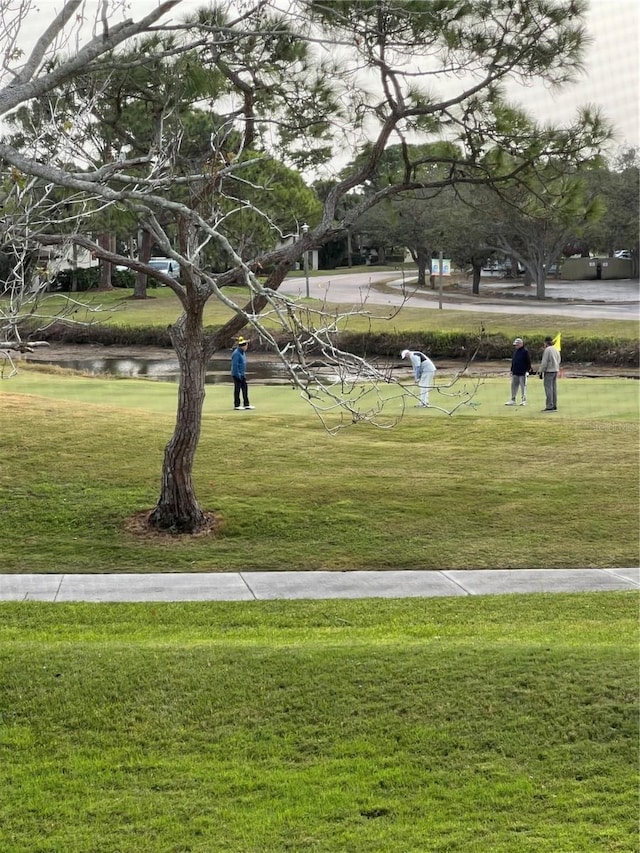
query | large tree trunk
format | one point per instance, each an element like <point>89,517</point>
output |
<point>144,253</point>
<point>74,268</point>
<point>178,509</point>
<point>422,259</point>
<point>477,275</point>
<point>105,241</point>
<point>535,271</point>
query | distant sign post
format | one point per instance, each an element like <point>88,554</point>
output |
<point>440,266</point>
<point>435,266</point>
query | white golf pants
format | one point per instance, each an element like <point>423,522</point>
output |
<point>426,382</point>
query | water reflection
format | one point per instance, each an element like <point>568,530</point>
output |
<point>166,370</point>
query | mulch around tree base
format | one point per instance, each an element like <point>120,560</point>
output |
<point>138,525</point>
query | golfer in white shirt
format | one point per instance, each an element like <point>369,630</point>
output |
<point>424,371</point>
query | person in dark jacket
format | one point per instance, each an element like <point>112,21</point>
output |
<point>520,369</point>
<point>238,368</point>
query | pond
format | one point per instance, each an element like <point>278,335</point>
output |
<point>161,365</point>
<point>162,368</point>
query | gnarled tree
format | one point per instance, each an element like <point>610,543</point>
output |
<point>299,85</point>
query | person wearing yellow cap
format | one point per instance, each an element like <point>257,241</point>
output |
<point>238,372</point>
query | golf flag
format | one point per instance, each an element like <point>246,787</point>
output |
<point>556,343</point>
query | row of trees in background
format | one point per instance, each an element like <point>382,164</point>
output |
<point>564,211</point>
<point>557,212</point>
<point>195,134</point>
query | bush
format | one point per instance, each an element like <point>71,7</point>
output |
<point>87,278</point>
<point>126,336</point>
<point>444,345</point>
<point>127,279</point>
<point>460,345</point>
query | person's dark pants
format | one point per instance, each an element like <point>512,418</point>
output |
<point>240,387</point>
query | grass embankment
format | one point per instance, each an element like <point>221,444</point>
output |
<point>490,487</point>
<point>488,725</point>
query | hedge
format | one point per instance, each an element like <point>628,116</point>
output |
<point>444,345</point>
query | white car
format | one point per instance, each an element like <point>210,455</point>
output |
<point>166,265</point>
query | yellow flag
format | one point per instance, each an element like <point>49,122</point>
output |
<point>556,341</point>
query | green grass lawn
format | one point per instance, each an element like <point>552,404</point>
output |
<point>466,725</point>
<point>478,725</point>
<point>489,487</point>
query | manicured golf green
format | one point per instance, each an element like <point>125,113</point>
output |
<point>489,487</point>
<point>491,725</point>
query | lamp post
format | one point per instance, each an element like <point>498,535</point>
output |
<point>305,230</point>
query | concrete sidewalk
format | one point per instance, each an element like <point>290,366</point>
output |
<point>262,586</point>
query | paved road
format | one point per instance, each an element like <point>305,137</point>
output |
<point>618,300</point>
<point>263,586</point>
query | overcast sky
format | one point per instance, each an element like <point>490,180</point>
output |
<point>611,78</point>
